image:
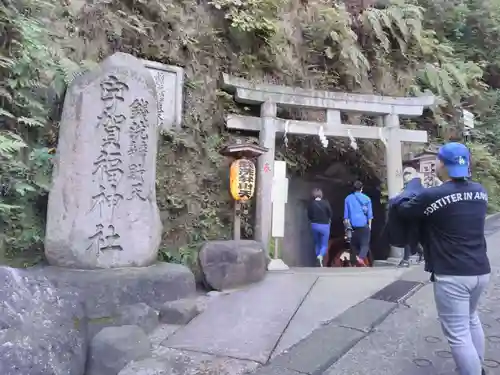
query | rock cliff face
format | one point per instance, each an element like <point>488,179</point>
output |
<point>49,317</point>
<point>58,322</point>
<point>42,329</point>
<point>192,178</point>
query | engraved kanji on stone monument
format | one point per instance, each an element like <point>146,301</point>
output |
<point>102,206</point>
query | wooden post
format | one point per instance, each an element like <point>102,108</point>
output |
<point>265,167</point>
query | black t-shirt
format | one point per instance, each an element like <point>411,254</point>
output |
<point>452,218</point>
<point>319,212</point>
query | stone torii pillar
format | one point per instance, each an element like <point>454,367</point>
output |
<point>265,172</point>
<point>393,154</point>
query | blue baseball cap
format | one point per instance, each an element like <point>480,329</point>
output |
<point>455,157</point>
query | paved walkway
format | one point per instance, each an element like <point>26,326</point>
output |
<point>380,338</point>
<point>260,322</point>
<point>410,341</point>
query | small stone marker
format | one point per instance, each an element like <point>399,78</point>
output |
<point>279,199</point>
<point>169,82</point>
<point>102,210</point>
<point>179,312</point>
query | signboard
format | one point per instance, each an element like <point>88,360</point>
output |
<point>169,85</point>
<point>279,199</point>
<point>468,119</point>
<point>428,173</point>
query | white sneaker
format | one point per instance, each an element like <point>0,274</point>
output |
<point>320,260</point>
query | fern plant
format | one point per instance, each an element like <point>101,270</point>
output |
<point>33,67</point>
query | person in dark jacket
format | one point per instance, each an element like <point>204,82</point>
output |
<point>319,214</point>
<point>412,247</point>
<point>400,232</point>
<point>410,250</point>
<point>452,218</point>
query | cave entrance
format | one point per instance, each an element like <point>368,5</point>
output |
<point>335,106</point>
<point>336,182</point>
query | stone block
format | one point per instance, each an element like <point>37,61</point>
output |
<point>102,210</point>
<point>106,292</point>
<point>42,328</point>
<point>230,264</point>
<point>138,314</point>
<point>179,312</point>
<point>114,347</point>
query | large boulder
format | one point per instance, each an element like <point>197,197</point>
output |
<point>230,264</point>
<point>42,329</point>
<point>114,347</point>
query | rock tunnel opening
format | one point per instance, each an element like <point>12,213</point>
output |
<point>335,178</point>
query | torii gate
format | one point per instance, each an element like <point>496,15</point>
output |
<point>268,96</point>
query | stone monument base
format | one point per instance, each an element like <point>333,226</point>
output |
<point>106,291</point>
<point>50,315</point>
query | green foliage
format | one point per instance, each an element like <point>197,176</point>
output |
<point>486,168</point>
<point>31,66</point>
<point>467,33</point>
<point>407,47</point>
<point>250,16</point>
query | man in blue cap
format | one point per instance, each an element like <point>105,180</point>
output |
<point>451,217</point>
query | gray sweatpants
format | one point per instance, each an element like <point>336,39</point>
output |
<point>457,298</point>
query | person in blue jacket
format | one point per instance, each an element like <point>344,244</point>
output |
<point>452,217</point>
<point>358,215</point>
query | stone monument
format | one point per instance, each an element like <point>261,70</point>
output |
<point>102,210</point>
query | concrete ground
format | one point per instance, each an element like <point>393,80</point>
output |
<point>260,322</point>
<point>382,337</point>
<point>410,342</point>
<point>344,321</point>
